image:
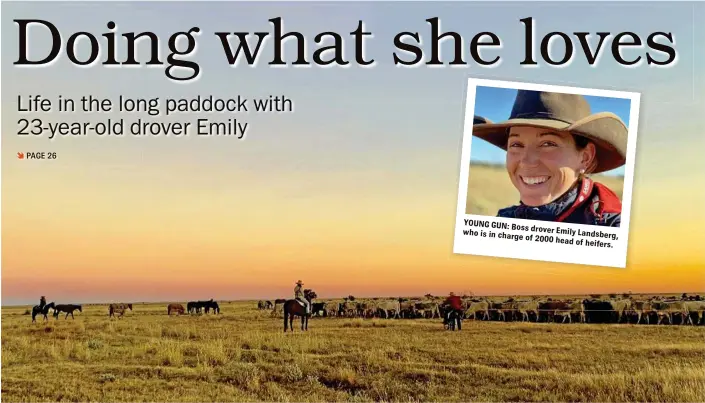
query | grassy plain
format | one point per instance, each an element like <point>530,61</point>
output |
<point>243,355</point>
<point>490,189</point>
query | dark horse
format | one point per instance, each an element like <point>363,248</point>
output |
<point>196,306</point>
<point>37,309</point>
<point>68,308</point>
<point>293,308</point>
<point>193,307</point>
<point>208,305</point>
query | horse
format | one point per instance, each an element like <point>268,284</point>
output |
<point>37,309</point>
<point>293,307</point>
<point>118,309</point>
<point>68,308</point>
<point>178,308</point>
<point>208,305</point>
<point>193,307</point>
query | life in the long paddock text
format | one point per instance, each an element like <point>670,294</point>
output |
<point>550,233</point>
<point>166,117</point>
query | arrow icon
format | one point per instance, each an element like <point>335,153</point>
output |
<point>20,155</point>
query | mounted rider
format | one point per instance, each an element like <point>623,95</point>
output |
<point>299,296</point>
<point>42,302</point>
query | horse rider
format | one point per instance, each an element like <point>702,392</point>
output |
<point>42,302</point>
<point>455,304</point>
<point>299,295</point>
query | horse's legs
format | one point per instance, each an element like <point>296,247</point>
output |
<point>72,315</point>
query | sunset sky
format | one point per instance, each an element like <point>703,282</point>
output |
<point>353,193</point>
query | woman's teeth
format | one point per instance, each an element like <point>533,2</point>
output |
<point>534,180</point>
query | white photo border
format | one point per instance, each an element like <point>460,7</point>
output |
<point>542,251</point>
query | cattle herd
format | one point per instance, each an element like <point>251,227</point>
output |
<point>595,309</point>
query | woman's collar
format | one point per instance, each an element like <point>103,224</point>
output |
<point>552,210</point>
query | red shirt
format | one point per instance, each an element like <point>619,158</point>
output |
<point>455,302</point>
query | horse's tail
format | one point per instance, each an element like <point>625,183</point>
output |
<point>285,308</point>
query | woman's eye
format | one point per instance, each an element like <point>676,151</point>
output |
<point>515,144</point>
<point>548,144</point>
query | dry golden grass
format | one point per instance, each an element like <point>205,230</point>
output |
<point>489,189</point>
<point>243,355</point>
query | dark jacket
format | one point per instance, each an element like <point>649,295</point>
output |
<point>587,202</point>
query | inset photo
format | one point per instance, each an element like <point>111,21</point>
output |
<point>546,172</point>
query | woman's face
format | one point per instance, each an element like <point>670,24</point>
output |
<point>543,163</point>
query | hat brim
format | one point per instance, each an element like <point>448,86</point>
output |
<point>605,129</point>
<point>478,120</point>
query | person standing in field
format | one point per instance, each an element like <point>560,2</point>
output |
<point>455,309</point>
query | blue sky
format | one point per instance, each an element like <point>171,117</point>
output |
<point>496,104</point>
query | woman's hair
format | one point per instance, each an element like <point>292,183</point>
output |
<point>580,143</point>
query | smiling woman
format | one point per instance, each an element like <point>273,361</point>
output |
<point>553,143</point>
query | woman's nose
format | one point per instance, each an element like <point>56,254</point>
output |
<point>530,157</point>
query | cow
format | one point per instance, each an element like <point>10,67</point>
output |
<point>568,309</point>
<point>385,307</point>
<point>429,309</point>
<point>598,311</point>
<point>642,310</point>
<point>525,307</point>
<point>621,307</point>
<point>318,308</point>
<point>697,307</point>
<point>667,309</point>
<point>478,306</point>
<point>550,307</point>
<point>408,308</point>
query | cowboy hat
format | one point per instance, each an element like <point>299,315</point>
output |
<point>563,112</point>
<point>477,120</point>
<point>300,282</point>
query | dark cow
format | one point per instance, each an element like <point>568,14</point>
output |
<point>318,309</point>
<point>598,311</point>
